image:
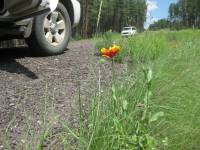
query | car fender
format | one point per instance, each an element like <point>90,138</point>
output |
<point>52,4</point>
<point>77,12</point>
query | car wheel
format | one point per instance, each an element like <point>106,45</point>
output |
<point>51,32</point>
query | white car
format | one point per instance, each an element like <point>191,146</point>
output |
<point>45,24</point>
<point>127,31</point>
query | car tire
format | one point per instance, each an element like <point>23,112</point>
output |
<point>51,32</point>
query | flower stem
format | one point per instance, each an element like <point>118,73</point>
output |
<point>113,72</point>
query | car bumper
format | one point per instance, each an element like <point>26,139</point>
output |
<point>20,29</point>
<point>127,34</point>
<point>77,12</point>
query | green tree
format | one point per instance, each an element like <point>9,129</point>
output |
<point>187,12</point>
<point>160,24</point>
<point>114,15</point>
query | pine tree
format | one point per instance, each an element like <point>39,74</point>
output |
<point>115,14</point>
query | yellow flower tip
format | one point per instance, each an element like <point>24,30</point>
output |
<point>110,48</point>
<point>103,50</point>
<point>116,47</point>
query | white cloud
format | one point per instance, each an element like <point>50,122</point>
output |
<point>151,7</point>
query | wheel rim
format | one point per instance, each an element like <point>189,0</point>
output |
<point>54,28</point>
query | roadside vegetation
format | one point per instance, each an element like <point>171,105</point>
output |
<point>153,104</point>
<point>173,58</point>
<point>173,99</point>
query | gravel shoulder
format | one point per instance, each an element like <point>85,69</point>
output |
<point>27,83</point>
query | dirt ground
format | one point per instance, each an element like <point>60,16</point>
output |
<point>27,83</point>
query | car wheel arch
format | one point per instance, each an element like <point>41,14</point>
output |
<point>39,43</point>
<point>69,6</point>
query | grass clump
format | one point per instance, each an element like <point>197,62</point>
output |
<point>174,58</point>
<point>176,91</point>
<point>119,117</point>
<point>146,108</point>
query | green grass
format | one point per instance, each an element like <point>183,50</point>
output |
<point>174,57</point>
<point>128,115</point>
<point>116,120</point>
<point>176,90</point>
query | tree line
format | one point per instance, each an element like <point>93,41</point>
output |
<point>183,14</point>
<point>103,15</point>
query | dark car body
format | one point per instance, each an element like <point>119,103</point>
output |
<point>17,16</point>
<point>13,10</point>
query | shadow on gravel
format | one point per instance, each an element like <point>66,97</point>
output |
<point>9,64</point>
<point>8,53</point>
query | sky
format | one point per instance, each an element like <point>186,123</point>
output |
<point>157,9</point>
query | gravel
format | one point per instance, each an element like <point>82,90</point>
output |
<point>30,83</point>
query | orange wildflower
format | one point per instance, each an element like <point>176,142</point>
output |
<point>110,52</point>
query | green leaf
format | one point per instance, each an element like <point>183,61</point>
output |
<point>102,61</point>
<point>113,89</point>
<point>165,141</point>
<point>149,75</point>
<point>151,142</point>
<point>125,105</point>
<point>156,116</point>
<point>114,93</point>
